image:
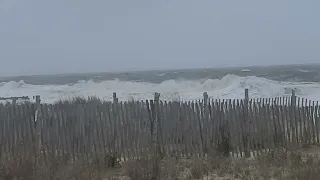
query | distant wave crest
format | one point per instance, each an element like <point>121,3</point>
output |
<point>228,87</point>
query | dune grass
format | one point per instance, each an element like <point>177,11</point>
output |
<point>284,164</point>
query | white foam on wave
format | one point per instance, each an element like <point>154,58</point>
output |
<point>246,70</point>
<point>304,70</point>
<point>161,74</point>
<point>230,86</point>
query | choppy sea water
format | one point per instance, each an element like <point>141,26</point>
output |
<point>272,81</point>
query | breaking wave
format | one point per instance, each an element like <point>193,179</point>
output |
<point>228,87</point>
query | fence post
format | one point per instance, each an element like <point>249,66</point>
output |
<point>14,100</point>
<point>246,124</point>
<point>115,99</point>
<point>205,98</point>
<point>293,98</point>
<point>246,95</point>
<point>38,123</point>
<point>155,121</point>
<point>293,119</point>
<point>206,118</point>
<point>155,136</point>
<point>115,127</point>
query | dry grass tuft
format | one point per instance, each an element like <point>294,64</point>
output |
<point>17,169</point>
<point>29,169</point>
<point>279,164</point>
<point>80,100</point>
<point>151,169</point>
<point>198,169</point>
<point>139,169</point>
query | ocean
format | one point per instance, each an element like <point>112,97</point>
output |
<point>183,84</point>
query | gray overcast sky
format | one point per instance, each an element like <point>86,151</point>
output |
<point>67,36</point>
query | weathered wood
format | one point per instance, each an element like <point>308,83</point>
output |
<point>205,121</point>
<point>196,142</point>
<point>38,122</point>
<point>2,131</point>
<point>313,130</point>
<point>199,128</point>
<point>268,120</point>
<point>116,133</point>
<point>182,126</point>
<point>122,124</point>
<point>237,128</point>
<point>308,125</point>
<point>101,131</point>
<point>280,119</point>
<point>299,120</point>
<point>187,130</point>
<point>316,119</point>
<point>192,140</point>
<point>109,128</point>
<point>241,130</point>
<point>44,132</point>
<point>61,129</point>
<point>311,123</point>
<point>231,137</point>
<point>131,122</point>
<point>293,98</point>
<point>97,140</point>
<point>114,96</point>
<point>246,129</point>
<point>258,130</point>
<point>147,129</point>
<point>80,149</point>
<point>161,124</point>
<point>253,131</point>
<point>93,130</point>
<point>140,128</point>
<point>179,129</point>
<point>295,118</point>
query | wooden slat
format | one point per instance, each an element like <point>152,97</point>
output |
<point>314,130</point>
<point>232,129</point>
<point>253,129</point>
<point>122,130</point>
<point>238,131</point>
<point>193,149</point>
<point>242,128</point>
<point>108,127</point>
<point>317,113</point>
<point>181,125</point>
<point>131,129</point>
<point>196,142</point>
<point>93,130</point>
<point>307,119</point>
<point>258,126</point>
<point>188,130</point>
<point>304,116</point>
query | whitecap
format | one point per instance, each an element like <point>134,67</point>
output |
<point>228,87</point>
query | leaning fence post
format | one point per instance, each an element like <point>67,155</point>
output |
<point>246,124</point>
